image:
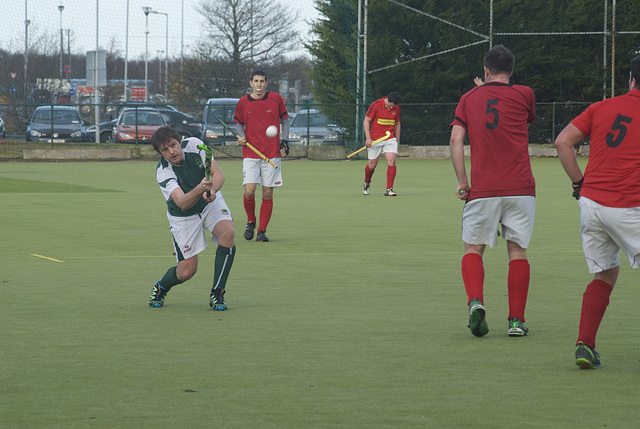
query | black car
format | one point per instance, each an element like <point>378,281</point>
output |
<point>106,132</point>
<point>56,124</point>
<point>184,124</point>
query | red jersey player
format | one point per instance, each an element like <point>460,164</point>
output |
<point>609,200</point>
<point>254,113</point>
<point>495,115</point>
<point>383,115</point>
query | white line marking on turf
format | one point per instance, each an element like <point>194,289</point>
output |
<point>46,257</point>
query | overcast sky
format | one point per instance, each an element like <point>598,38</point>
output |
<point>80,17</point>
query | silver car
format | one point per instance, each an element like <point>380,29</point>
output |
<point>310,127</point>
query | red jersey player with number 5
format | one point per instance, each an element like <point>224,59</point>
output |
<point>502,189</point>
<point>609,198</point>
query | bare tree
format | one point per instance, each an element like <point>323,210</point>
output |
<point>246,33</point>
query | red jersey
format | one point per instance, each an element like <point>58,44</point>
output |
<point>383,119</point>
<point>612,176</point>
<point>256,115</point>
<point>496,116</point>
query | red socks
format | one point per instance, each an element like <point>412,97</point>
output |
<point>391,176</point>
<point>518,287</point>
<point>594,303</point>
<point>473,276</point>
<point>266,208</point>
<point>265,211</point>
<point>250,208</point>
<point>368,173</point>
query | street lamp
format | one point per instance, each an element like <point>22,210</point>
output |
<point>166,49</point>
<point>146,11</point>
<point>158,52</point>
<point>61,8</point>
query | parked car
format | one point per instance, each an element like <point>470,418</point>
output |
<point>56,124</point>
<point>106,132</point>
<point>213,132</point>
<point>3,130</point>
<point>184,124</point>
<point>137,125</point>
<point>310,127</point>
<point>114,110</point>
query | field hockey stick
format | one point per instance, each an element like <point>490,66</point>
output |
<point>386,136</point>
<point>208,155</point>
<point>249,145</point>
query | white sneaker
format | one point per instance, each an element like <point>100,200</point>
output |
<point>365,188</point>
<point>389,193</point>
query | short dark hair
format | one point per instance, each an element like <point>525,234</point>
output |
<point>259,73</point>
<point>635,69</point>
<point>394,98</point>
<point>499,60</point>
<point>162,136</point>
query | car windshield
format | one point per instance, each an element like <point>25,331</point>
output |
<point>59,116</point>
<point>226,111</point>
<point>313,120</point>
<point>144,118</point>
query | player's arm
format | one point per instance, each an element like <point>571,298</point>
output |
<point>565,142</point>
<point>456,145</point>
<point>217,177</point>
<point>367,130</point>
<point>284,135</point>
<point>241,135</point>
<point>187,200</point>
<point>396,131</point>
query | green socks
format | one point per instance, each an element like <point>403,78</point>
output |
<point>223,263</point>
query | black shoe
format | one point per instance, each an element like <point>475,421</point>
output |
<point>157,296</point>
<point>216,300</point>
<point>262,236</point>
<point>248,231</point>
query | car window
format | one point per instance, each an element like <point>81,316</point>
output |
<point>226,111</point>
<point>59,116</point>
<point>313,120</point>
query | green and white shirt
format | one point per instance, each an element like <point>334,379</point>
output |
<point>186,176</point>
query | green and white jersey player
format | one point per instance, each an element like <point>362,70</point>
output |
<point>195,204</point>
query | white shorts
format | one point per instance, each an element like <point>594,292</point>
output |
<point>390,145</point>
<point>188,231</point>
<point>259,171</point>
<point>607,230</point>
<point>481,217</point>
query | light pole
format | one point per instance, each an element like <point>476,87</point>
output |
<point>158,52</point>
<point>26,51</point>
<point>166,50</point>
<point>146,11</point>
<point>126,57</point>
<point>61,8</point>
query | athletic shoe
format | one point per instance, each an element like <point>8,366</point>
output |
<point>365,188</point>
<point>389,193</point>
<point>248,231</point>
<point>586,357</point>
<point>477,322</point>
<point>262,236</point>
<point>517,328</point>
<point>216,300</point>
<point>157,296</point>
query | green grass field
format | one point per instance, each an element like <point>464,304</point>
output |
<point>353,316</point>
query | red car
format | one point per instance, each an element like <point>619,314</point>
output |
<point>137,125</point>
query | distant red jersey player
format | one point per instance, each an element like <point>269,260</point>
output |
<point>254,113</point>
<point>495,115</point>
<point>383,115</point>
<point>609,198</point>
